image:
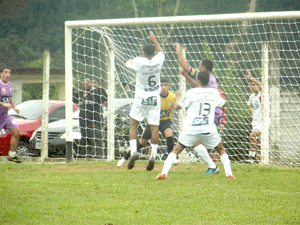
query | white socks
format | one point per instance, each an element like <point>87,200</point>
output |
<point>168,163</point>
<point>12,154</point>
<point>226,163</point>
<point>132,143</point>
<point>202,152</point>
<point>154,150</point>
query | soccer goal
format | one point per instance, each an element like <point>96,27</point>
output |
<point>267,44</point>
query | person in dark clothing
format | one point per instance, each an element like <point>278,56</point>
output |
<point>90,101</point>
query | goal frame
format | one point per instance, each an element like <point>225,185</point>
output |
<point>156,21</point>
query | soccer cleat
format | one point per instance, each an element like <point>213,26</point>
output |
<point>230,177</point>
<point>160,177</point>
<point>212,170</point>
<point>176,162</point>
<point>121,162</point>
<point>132,159</point>
<point>150,165</point>
<point>14,159</point>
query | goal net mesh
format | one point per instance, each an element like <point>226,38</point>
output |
<point>234,48</point>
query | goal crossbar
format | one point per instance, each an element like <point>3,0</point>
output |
<point>186,19</point>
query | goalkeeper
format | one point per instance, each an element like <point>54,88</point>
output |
<point>167,99</point>
<point>188,72</point>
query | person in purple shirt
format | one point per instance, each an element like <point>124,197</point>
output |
<point>189,73</point>
<point>6,121</point>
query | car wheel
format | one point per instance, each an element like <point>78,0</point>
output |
<point>23,149</point>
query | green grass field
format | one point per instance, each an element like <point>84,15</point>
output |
<point>101,193</point>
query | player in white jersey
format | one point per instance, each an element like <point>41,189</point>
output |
<point>146,102</point>
<point>199,124</point>
<point>188,72</point>
<point>254,104</point>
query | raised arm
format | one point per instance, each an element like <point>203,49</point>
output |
<point>153,39</point>
<point>178,95</point>
<point>191,82</point>
<point>256,82</point>
<point>185,66</point>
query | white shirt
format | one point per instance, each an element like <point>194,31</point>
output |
<point>147,76</point>
<point>201,103</point>
<point>255,101</point>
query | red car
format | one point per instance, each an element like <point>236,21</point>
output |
<point>29,119</point>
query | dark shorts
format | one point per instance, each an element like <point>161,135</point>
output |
<point>7,122</point>
<point>163,124</point>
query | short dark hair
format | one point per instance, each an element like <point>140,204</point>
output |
<point>218,81</point>
<point>163,80</point>
<point>3,68</point>
<point>203,76</point>
<point>149,49</point>
<point>208,64</point>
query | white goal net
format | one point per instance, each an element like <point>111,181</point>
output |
<point>267,44</point>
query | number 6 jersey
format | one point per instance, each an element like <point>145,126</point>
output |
<point>147,88</point>
<point>200,104</point>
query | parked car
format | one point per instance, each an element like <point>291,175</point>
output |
<point>56,136</point>
<point>28,120</point>
<point>56,131</point>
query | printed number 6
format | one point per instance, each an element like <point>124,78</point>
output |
<point>151,82</point>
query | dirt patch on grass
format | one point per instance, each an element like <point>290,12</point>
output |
<point>112,167</point>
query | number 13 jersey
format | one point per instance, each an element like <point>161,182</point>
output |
<point>200,104</point>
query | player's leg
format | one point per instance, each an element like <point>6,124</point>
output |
<point>170,160</point>
<point>146,135</point>
<point>168,133</point>
<point>132,141</point>
<point>225,160</point>
<point>8,123</point>
<point>184,140</point>
<point>165,128</point>
<point>254,145</point>
<point>203,154</point>
<point>14,142</point>
<point>153,117</point>
<point>154,146</point>
<point>137,114</point>
<point>142,142</point>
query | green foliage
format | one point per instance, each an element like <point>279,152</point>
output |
<point>101,193</point>
<point>39,25</point>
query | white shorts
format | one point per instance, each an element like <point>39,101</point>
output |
<point>209,140</point>
<point>152,113</point>
<point>256,127</point>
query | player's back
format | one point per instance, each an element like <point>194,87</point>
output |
<point>148,75</point>
<point>201,104</point>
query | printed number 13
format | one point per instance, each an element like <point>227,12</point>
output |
<point>204,109</point>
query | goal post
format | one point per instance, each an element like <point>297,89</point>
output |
<point>265,43</point>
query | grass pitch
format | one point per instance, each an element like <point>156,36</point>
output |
<point>101,193</point>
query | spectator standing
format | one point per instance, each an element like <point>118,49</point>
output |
<point>90,101</point>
